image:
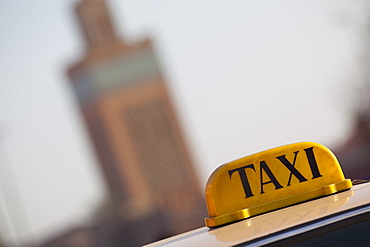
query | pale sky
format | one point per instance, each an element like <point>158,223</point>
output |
<point>244,76</point>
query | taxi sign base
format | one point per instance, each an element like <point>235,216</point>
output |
<point>277,204</point>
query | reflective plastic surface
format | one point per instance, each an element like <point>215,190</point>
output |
<point>272,179</point>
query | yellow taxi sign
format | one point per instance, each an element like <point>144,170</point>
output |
<point>270,180</point>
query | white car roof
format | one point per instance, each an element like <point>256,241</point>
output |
<point>279,224</point>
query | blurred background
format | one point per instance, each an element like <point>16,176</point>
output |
<point>114,113</point>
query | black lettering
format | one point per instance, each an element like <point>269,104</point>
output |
<point>244,179</point>
<point>313,164</point>
<point>264,167</point>
<point>293,170</point>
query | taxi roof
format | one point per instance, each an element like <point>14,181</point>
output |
<point>279,224</point>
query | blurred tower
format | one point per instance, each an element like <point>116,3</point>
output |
<point>133,125</point>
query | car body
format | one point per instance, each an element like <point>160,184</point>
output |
<point>340,219</point>
<point>291,195</point>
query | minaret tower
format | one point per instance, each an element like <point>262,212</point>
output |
<point>96,24</point>
<point>132,123</point>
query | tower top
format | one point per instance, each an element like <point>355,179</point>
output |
<point>102,40</point>
<point>96,24</point>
